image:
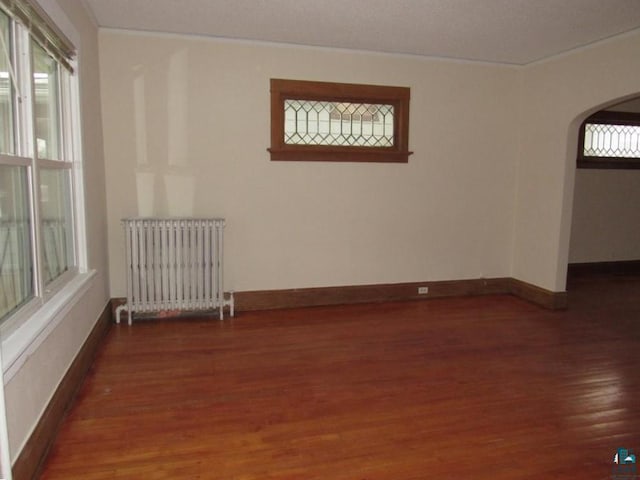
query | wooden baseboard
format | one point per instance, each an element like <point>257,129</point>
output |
<point>345,295</point>
<point>30,461</point>
<point>310,297</point>
<point>626,267</point>
<point>540,296</point>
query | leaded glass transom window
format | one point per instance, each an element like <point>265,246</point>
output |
<point>309,122</point>
<point>321,121</point>
<point>610,140</point>
<point>607,140</point>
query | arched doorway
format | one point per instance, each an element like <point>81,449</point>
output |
<point>605,220</point>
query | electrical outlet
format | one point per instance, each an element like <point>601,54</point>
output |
<point>423,290</point>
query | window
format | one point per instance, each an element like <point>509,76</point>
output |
<point>320,121</point>
<point>6,88</point>
<point>610,140</point>
<point>37,225</point>
<point>16,263</point>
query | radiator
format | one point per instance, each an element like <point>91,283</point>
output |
<point>174,265</point>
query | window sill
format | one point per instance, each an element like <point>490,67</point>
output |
<point>19,344</point>
<point>324,154</point>
<point>609,163</point>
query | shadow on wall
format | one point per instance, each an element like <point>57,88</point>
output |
<point>165,181</point>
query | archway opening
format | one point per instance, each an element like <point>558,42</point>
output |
<point>605,219</point>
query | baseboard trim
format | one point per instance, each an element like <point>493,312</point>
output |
<point>538,295</point>
<point>311,297</point>
<point>625,267</point>
<point>31,459</point>
<point>344,295</point>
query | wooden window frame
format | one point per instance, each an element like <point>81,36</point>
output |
<point>282,90</point>
<point>610,118</point>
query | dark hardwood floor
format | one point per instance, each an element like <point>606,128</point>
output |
<point>475,388</point>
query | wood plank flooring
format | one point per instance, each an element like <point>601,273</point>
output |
<point>476,388</point>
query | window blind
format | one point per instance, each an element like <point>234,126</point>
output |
<point>42,29</point>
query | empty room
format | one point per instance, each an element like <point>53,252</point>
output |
<point>294,239</point>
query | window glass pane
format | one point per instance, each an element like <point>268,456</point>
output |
<point>610,140</point>
<point>310,122</point>
<point>47,104</point>
<point>16,273</point>
<point>57,233</point>
<point>6,88</point>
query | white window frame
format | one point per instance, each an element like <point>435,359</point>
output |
<point>27,327</point>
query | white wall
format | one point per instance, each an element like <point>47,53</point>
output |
<point>632,106</point>
<point>186,125</point>
<point>30,389</point>
<point>606,216</point>
<point>557,95</point>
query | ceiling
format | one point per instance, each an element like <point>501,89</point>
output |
<point>499,31</point>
